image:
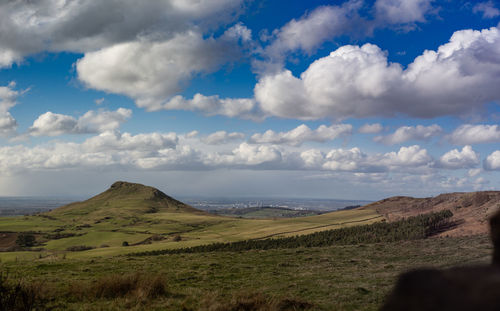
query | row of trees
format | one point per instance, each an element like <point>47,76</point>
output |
<point>412,228</point>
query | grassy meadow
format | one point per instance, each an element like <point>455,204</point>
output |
<point>351,277</point>
<point>107,235</point>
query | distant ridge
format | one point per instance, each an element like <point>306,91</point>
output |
<point>471,210</point>
<point>125,199</point>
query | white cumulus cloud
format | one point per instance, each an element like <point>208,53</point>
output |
<point>474,172</point>
<point>469,134</point>
<point>354,75</point>
<point>8,99</point>
<point>222,137</point>
<point>53,124</point>
<point>250,155</point>
<point>455,159</point>
<point>355,160</point>
<point>492,162</point>
<point>371,128</point>
<point>406,133</point>
<point>301,134</point>
<point>153,71</point>
<point>488,9</point>
<point>460,77</point>
<point>113,141</point>
<point>245,108</point>
<point>30,27</point>
<point>412,156</point>
<point>309,32</point>
<point>312,158</point>
<point>402,11</point>
<point>343,160</point>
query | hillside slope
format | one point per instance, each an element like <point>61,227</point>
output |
<point>124,199</point>
<point>471,210</point>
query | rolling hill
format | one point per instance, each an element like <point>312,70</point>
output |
<point>124,200</point>
<point>471,210</point>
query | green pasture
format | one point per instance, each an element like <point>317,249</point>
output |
<point>193,228</point>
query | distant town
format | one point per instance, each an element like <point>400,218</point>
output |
<point>295,204</point>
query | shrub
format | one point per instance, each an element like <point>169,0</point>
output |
<point>152,288</point>
<point>58,235</point>
<point>136,285</point>
<point>177,238</point>
<point>25,240</point>
<point>79,248</point>
<point>125,243</point>
<point>157,237</point>
<point>115,286</point>
<point>15,295</point>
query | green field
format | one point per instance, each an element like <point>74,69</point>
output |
<point>194,229</point>
<point>264,212</point>
<point>353,277</point>
<point>147,219</point>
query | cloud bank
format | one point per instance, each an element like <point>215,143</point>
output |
<point>30,27</point>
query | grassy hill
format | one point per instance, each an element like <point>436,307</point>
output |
<point>123,200</point>
<point>148,219</point>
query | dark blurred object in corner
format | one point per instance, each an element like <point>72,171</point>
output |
<point>457,289</point>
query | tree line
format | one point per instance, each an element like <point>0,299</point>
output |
<point>411,228</point>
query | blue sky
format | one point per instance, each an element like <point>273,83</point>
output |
<point>330,99</point>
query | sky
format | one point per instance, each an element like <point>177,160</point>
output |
<point>349,99</point>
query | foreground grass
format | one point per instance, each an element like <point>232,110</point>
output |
<point>353,277</point>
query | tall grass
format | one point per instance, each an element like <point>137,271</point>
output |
<point>136,286</point>
<point>253,301</point>
<point>16,295</point>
